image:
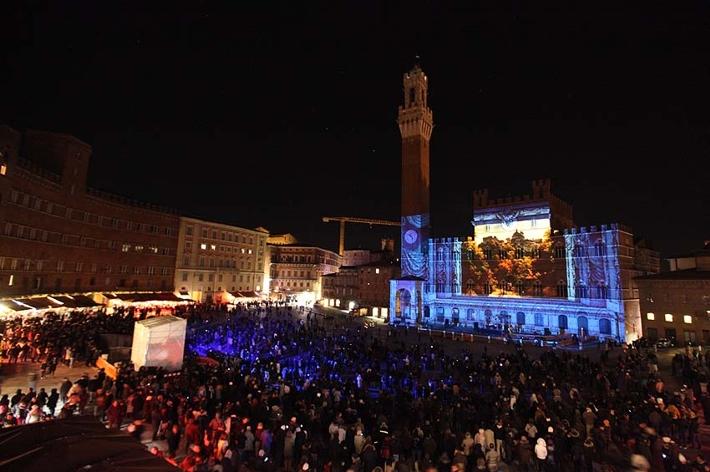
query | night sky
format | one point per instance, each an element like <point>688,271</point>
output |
<point>275,114</point>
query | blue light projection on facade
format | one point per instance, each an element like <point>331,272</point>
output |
<point>565,282</point>
<point>414,245</point>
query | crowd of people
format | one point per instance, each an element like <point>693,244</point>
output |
<point>267,388</point>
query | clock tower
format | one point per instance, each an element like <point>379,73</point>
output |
<point>415,125</point>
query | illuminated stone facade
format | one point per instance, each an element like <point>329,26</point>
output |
<point>215,258</point>
<point>297,270</point>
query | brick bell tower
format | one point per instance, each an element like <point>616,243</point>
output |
<point>415,125</point>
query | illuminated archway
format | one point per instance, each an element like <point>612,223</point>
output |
<point>403,303</point>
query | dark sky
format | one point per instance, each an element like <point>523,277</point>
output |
<point>275,114</point>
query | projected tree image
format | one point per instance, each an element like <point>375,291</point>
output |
<point>507,267</point>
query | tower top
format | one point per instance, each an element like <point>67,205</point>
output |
<point>416,70</point>
<point>415,117</point>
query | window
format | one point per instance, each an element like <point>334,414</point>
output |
<point>11,280</point>
<point>60,266</point>
<point>79,266</point>
<point>470,314</point>
<point>520,288</point>
<point>650,316</point>
<point>562,321</point>
<point>519,253</point>
<point>520,318</point>
<point>669,318</point>
<point>687,319</point>
<point>487,289</point>
<point>602,291</point>
<point>188,230</point>
<point>184,276</point>
<point>213,247</point>
<point>604,326</point>
<point>203,246</point>
<point>377,270</point>
<point>537,288</point>
<point>539,320</point>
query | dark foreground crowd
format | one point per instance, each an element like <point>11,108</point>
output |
<point>273,389</point>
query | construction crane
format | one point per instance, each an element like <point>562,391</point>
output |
<point>350,219</point>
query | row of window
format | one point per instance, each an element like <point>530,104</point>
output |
<point>220,277</point>
<point>213,247</point>
<point>8,263</point>
<point>535,289</point>
<point>61,211</point>
<point>293,273</point>
<point>520,319</point>
<point>598,250</point>
<point>225,263</point>
<point>295,284</point>
<point>38,283</point>
<point>226,236</point>
<point>669,318</point>
<point>33,234</point>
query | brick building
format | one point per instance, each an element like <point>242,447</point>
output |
<point>59,235</point>
<point>676,304</point>
<point>215,260</point>
<point>364,286</point>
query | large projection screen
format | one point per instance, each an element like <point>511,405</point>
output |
<point>159,342</point>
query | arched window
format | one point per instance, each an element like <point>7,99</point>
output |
<point>562,321</point>
<point>488,314</point>
<point>402,305</point>
<point>539,319</point>
<point>470,314</point>
<point>455,314</point>
<point>469,285</point>
<point>604,326</point>
<point>582,325</point>
<point>520,318</point>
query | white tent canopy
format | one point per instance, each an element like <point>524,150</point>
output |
<point>159,342</point>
